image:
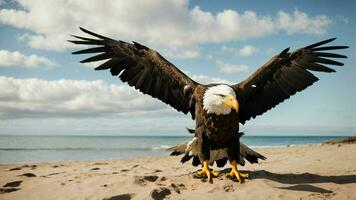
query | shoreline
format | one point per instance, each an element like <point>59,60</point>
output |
<point>257,148</point>
<point>311,172</point>
<point>53,149</point>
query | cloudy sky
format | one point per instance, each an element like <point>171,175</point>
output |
<point>44,90</point>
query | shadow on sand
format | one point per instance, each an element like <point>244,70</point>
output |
<point>300,182</point>
<point>306,188</point>
<point>303,178</point>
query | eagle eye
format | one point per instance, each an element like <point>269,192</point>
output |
<point>221,95</point>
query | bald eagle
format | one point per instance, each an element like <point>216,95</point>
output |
<point>217,108</point>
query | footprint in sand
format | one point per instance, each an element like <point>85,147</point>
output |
<point>13,184</point>
<point>15,169</point>
<point>10,187</point>
<point>141,180</point>
<point>229,188</point>
<point>51,174</point>
<point>160,193</point>
<point>178,187</point>
<point>150,178</point>
<point>100,163</point>
<point>55,173</point>
<point>28,175</point>
<point>8,190</point>
<point>121,197</point>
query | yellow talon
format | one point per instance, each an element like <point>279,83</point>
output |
<point>235,172</point>
<point>206,171</point>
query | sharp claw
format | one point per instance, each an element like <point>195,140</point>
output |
<point>243,175</point>
<point>205,172</point>
<point>238,176</point>
<point>235,173</point>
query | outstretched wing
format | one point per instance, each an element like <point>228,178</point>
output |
<point>142,68</point>
<point>283,76</point>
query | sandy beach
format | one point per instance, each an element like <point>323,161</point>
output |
<point>312,172</point>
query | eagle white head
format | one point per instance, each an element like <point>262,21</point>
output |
<point>220,100</point>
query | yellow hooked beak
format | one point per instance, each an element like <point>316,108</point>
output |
<point>231,102</point>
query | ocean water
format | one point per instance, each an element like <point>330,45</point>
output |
<point>28,149</point>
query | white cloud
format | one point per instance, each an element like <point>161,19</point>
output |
<point>203,79</point>
<point>17,59</point>
<point>165,25</point>
<point>188,53</point>
<point>245,51</point>
<point>300,23</point>
<point>31,97</point>
<point>35,98</point>
<point>56,42</point>
<point>230,68</point>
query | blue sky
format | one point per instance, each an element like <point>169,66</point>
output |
<point>46,90</point>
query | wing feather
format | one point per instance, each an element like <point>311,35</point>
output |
<point>142,68</point>
<point>283,76</point>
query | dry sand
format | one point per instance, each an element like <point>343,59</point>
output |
<point>316,172</point>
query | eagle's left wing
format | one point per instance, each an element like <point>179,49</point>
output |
<point>142,68</point>
<point>283,76</point>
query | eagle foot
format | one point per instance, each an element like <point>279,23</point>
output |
<point>205,172</point>
<point>234,173</point>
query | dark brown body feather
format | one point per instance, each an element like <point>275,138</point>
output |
<point>219,129</point>
<point>277,80</point>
